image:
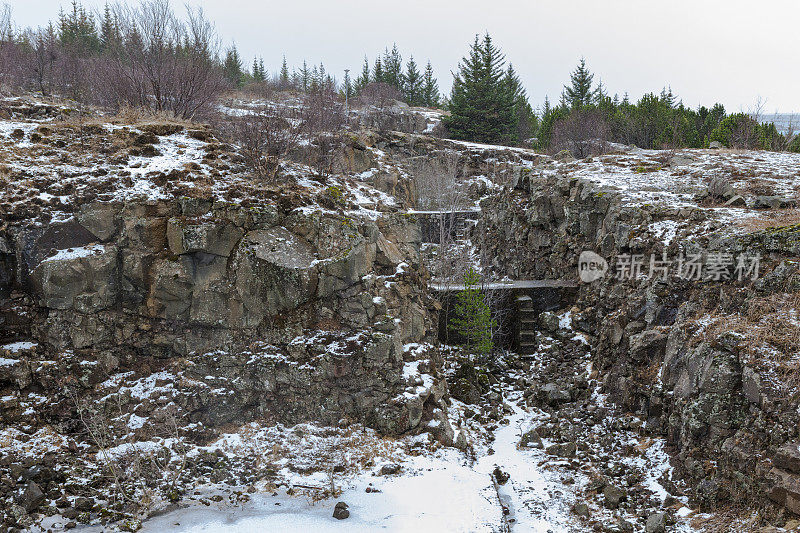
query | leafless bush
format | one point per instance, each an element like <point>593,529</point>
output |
<point>436,183</point>
<point>323,119</point>
<point>264,137</point>
<point>163,64</point>
<point>584,133</point>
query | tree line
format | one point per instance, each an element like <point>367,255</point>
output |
<point>488,104</point>
<point>146,56</point>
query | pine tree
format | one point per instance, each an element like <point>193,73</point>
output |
<point>412,83</point>
<point>481,104</point>
<point>232,67</point>
<point>305,77</point>
<point>259,74</point>
<point>393,68</point>
<point>109,30</point>
<point>430,88</point>
<point>377,71</point>
<point>78,29</point>
<point>284,76</point>
<point>580,93</point>
<point>523,112</point>
<point>363,79</point>
<point>473,317</point>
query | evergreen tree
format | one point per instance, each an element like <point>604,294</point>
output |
<point>481,104</point>
<point>580,93</point>
<point>363,79</point>
<point>430,88</point>
<point>377,71</point>
<point>525,117</point>
<point>259,74</point>
<point>109,30</point>
<point>77,29</point>
<point>473,317</point>
<point>284,76</point>
<point>305,77</point>
<point>412,83</point>
<point>232,67</point>
<point>393,68</point>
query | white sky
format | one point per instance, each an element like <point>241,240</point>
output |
<point>731,51</point>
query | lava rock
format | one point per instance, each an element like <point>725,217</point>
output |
<point>31,497</point>
<point>613,496</point>
<point>656,523</point>
<point>389,469</point>
<point>340,512</point>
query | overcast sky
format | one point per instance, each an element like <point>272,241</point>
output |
<point>731,51</point>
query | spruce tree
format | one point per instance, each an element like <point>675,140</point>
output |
<point>580,92</point>
<point>430,88</point>
<point>284,76</point>
<point>377,71</point>
<point>305,77</point>
<point>109,30</point>
<point>412,84</point>
<point>393,68</point>
<point>473,318</point>
<point>233,67</point>
<point>363,80</point>
<point>481,104</point>
<point>523,112</point>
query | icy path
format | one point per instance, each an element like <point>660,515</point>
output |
<point>433,493</point>
<point>537,498</point>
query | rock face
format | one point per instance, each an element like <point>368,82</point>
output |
<point>703,388</point>
<point>252,312</point>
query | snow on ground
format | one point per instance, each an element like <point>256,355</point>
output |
<point>439,491</point>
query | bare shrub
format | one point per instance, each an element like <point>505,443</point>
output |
<point>323,119</point>
<point>162,63</point>
<point>436,182</point>
<point>584,133</point>
<point>264,136</point>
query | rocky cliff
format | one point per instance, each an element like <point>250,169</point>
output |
<point>147,282</point>
<point>707,362</point>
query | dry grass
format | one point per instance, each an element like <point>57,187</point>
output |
<point>770,330</point>
<point>771,219</point>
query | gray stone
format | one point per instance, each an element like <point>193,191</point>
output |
<point>787,457</point>
<point>716,145</point>
<point>656,523</point>
<point>581,509</point>
<point>530,439</point>
<point>32,496</point>
<point>340,511</point>
<point>613,496</point>
<point>81,278</point>
<point>218,237</point>
<point>389,469</point>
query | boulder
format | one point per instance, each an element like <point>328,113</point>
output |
<point>217,237</point>
<point>716,145</point>
<point>31,497</point>
<point>788,457</point>
<point>613,496</point>
<point>274,271</point>
<point>82,278</point>
<point>656,523</point>
<point>340,511</point>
